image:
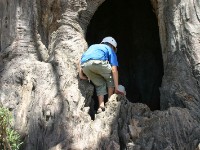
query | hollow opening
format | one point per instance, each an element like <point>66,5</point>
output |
<point>134,26</point>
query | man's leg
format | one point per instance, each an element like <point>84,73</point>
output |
<point>106,73</point>
<point>110,91</point>
<point>101,91</point>
<point>101,100</point>
<point>100,84</point>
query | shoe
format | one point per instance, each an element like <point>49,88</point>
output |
<point>100,109</point>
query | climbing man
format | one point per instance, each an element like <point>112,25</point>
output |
<point>99,64</point>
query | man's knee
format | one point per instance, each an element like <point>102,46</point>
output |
<point>101,90</point>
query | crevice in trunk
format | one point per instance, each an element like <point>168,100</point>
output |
<point>134,25</point>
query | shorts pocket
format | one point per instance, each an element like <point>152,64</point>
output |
<point>107,67</point>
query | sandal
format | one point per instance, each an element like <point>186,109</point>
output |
<point>100,109</point>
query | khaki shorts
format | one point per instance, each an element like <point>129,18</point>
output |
<point>99,72</point>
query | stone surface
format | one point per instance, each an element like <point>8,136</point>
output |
<point>40,44</point>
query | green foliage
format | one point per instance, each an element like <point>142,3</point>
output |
<point>9,138</point>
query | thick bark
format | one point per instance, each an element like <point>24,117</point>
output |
<point>179,24</point>
<point>41,42</point>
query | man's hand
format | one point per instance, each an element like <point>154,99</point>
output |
<point>119,92</point>
<point>83,77</point>
<point>81,74</point>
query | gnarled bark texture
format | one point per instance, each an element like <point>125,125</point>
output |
<point>41,42</point>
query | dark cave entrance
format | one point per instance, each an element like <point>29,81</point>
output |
<point>134,26</point>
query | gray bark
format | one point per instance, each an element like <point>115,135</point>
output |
<point>41,42</point>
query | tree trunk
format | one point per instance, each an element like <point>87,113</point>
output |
<point>41,43</point>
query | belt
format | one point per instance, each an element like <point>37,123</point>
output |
<point>95,62</point>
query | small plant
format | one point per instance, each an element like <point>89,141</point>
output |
<point>9,138</point>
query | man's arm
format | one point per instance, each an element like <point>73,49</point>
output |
<point>115,77</point>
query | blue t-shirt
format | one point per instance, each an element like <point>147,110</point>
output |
<point>100,52</point>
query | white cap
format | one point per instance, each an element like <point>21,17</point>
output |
<point>121,88</point>
<point>110,40</point>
